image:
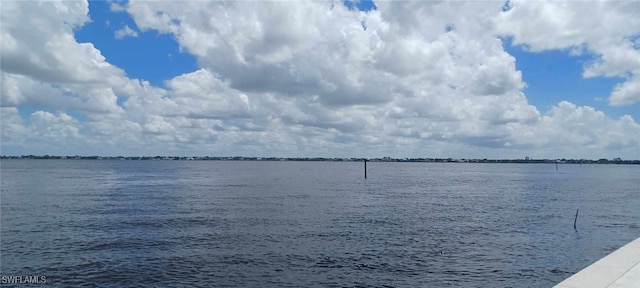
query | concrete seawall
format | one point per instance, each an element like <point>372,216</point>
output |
<point>619,269</point>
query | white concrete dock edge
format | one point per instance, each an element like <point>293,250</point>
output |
<point>619,269</point>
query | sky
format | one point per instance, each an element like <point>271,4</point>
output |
<point>461,79</point>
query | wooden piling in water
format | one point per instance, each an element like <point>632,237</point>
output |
<point>576,219</point>
<point>365,168</point>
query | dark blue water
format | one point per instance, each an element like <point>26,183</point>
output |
<point>311,224</point>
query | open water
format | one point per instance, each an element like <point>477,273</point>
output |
<point>310,224</point>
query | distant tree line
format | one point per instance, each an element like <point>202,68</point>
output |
<point>383,159</point>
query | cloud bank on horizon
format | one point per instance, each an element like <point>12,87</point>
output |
<point>321,78</point>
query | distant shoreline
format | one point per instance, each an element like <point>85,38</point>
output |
<point>323,159</point>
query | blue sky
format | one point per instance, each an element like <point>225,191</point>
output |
<point>155,57</point>
<point>304,79</point>
<point>554,75</point>
<point>152,56</point>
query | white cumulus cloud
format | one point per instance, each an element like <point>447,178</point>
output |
<point>608,29</point>
<point>313,78</point>
<point>125,31</point>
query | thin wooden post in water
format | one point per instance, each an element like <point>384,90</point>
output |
<point>576,219</point>
<point>365,168</point>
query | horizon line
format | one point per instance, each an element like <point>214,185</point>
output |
<point>285,158</point>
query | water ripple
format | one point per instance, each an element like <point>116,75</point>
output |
<point>257,224</point>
